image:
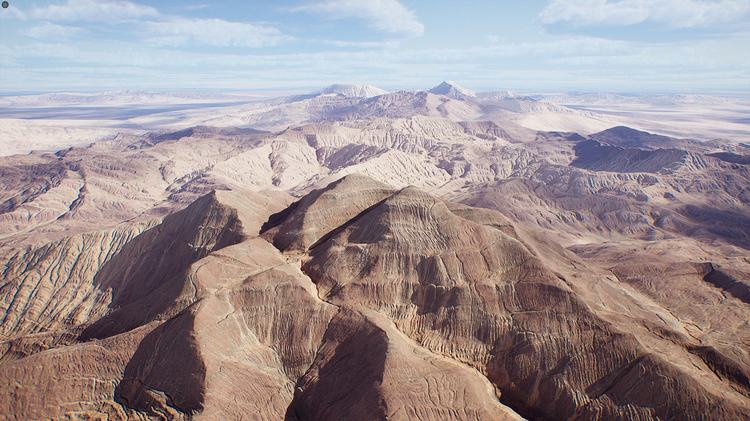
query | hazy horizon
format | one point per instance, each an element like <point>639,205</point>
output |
<point>631,46</point>
<point>272,92</point>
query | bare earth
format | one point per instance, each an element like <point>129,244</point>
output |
<point>360,255</point>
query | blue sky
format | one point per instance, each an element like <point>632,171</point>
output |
<point>535,45</point>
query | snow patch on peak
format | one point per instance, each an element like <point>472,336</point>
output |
<point>498,95</point>
<point>352,91</point>
<point>452,89</point>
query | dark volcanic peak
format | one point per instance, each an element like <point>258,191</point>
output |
<point>198,131</point>
<point>628,137</point>
<point>592,155</point>
<point>731,157</point>
<point>559,136</point>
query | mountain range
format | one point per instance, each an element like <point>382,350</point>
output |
<point>353,253</point>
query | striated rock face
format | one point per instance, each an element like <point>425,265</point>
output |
<point>471,292</point>
<point>24,183</point>
<point>75,280</point>
<point>129,293</point>
<point>317,214</point>
<point>361,301</point>
<point>367,369</point>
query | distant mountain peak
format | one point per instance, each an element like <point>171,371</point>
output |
<point>452,89</point>
<point>497,95</point>
<point>353,91</point>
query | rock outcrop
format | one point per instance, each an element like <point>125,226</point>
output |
<point>357,301</point>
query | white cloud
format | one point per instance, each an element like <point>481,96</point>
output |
<point>216,32</point>
<point>674,13</point>
<point>577,63</point>
<point>384,15</point>
<point>12,12</point>
<point>159,29</point>
<point>51,30</point>
<point>363,44</point>
<point>492,39</point>
<point>94,10</point>
<point>197,6</point>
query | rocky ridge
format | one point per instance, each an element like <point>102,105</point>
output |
<point>357,300</point>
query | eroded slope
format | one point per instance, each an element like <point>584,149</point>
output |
<point>358,300</point>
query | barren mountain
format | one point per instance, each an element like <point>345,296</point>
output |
<point>410,255</point>
<point>51,121</point>
<point>452,90</point>
<point>592,155</point>
<point>385,303</point>
<point>356,91</point>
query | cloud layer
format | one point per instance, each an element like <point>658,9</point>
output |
<point>154,27</point>
<point>94,10</point>
<point>674,13</point>
<point>384,15</point>
<point>59,44</point>
<point>47,30</point>
<point>217,32</point>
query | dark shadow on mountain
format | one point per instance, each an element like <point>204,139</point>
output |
<point>593,155</point>
<point>732,226</point>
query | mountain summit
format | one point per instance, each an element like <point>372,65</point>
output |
<point>353,91</point>
<point>453,90</point>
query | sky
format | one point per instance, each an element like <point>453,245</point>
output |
<point>636,46</point>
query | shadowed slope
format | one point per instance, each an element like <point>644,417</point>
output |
<point>475,294</point>
<point>375,304</point>
<point>320,211</point>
